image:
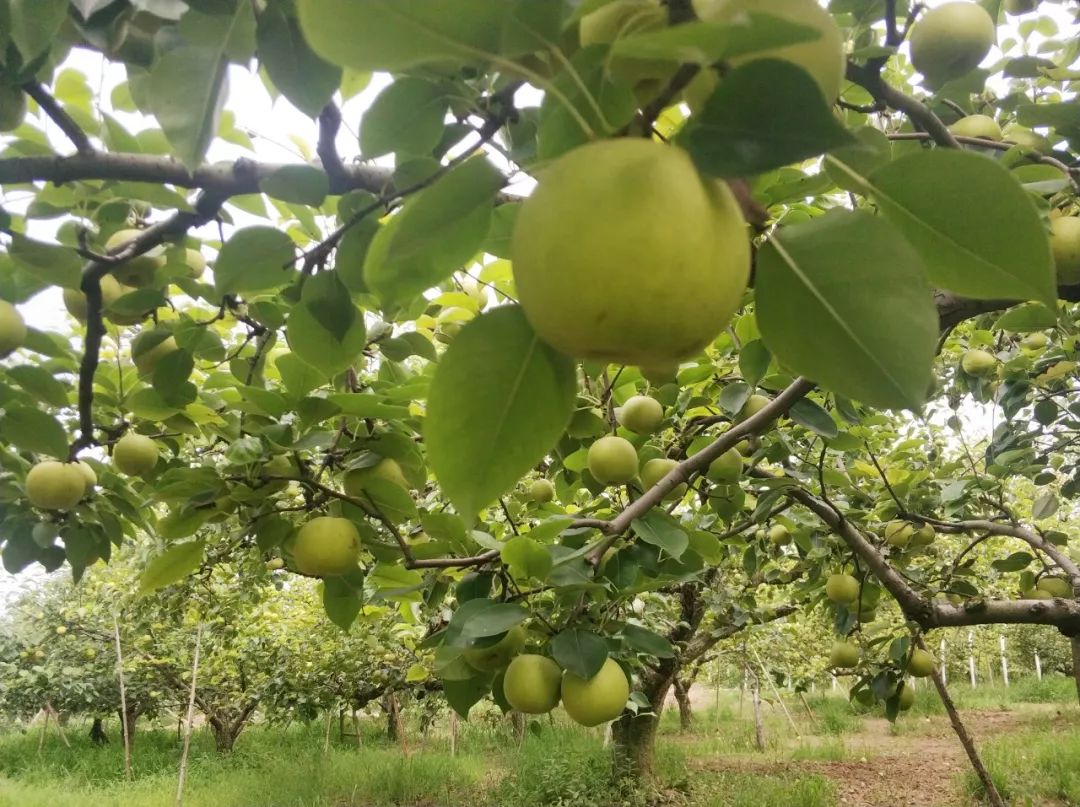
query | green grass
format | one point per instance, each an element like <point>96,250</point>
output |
<point>756,790</point>
<point>1039,764</point>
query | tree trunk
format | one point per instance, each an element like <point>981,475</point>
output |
<point>517,721</point>
<point>394,729</point>
<point>225,734</point>
<point>634,736</point>
<point>1076,662</point>
<point>682,697</point>
<point>128,720</point>
<point>97,733</point>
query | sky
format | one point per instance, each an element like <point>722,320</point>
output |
<point>273,125</point>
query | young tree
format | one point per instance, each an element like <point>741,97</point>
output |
<point>787,302</point>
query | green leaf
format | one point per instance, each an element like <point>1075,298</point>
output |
<point>1015,562</point>
<point>299,377</point>
<point>1026,318</point>
<point>367,405</point>
<point>499,401</point>
<point>391,500</point>
<point>325,329</point>
<point>188,87</point>
<point>648,642</point>
<point>813,416</point>
<point>585,95</point>
<point>34,430</point>
<point>40,383</point>
<point>580,652</point>
<point>405,118</point>
<point>58,265</point>
<point>1003,252</point>
<point>408,344</point>
<point>661,530</point>
<point>300,184</point>
<point>174,564</point>
<point>1045,506</point>
<point>35,24</point>
<point>852,283</point>
<point>341,601</point>
<point>706,43</point>
<point>434,234</point>
<point>743,131</point>
<point>754,359</point>
<point>463,694</point>
<point>254,259</point>
<point>303,78</point>
<point>526,558</point>
<point>390,35</point>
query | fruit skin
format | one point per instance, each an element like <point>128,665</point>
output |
<point>274,564</point>
<point>531,684</point>
<point>1055,586</point>
<point>844,654</point>
<point>1023,136</point>
<point>822,58</point>
<point>12,328</point>
<point>625,253</point>
<point>495,657</point>
<point>53,485</point>
<point>620,19</point>
<point>842,588</point>
<point>12,108</point>
<point>907,696</point>
<point>596,700</point>
<point>779,535</point>
<point>727,467</point>
<point>195,263</point>
<point>655,470</point>
<point>924,536</point>
<point>754,404</point>
<point>89,476</point>
<point>140,270</point>
<point>921,664</point>
<point>326,547</point>
<point>978,363</point>
<point>541,491</point>
<point>1065,246</point>
<point>951,40</point>
<point>356,480</point>
<point>149,348</point>
<point>898,533</point>
<point>111,291</point>
<point>1035,341</point>
<point>135,454</point>
<point>613,460</point>
<point>641,414</point>
<point>977,126</point>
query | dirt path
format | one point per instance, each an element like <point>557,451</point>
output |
<point>918,769</point>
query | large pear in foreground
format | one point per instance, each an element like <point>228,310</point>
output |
<point>626,254</point>
<point>55,485</point>
<point>531,684</point>
<point>596,700</point>
<point>496,656</point>
<point>822,58</point>
<point>950,40</point>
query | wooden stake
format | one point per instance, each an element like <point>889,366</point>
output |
<point>190,719</point>
<point>44,728</point>
<point>776,692</point>
<point>123,699</point>
<point>965,739</point>
<point>59,725</point>
<point>759,726</point>
<point>326,739</point>
<point>453,732</point>
<point>356,728</point>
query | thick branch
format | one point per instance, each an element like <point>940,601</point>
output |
<point>58,116</point>
<point>921,115</point>
<point>205,210</point>
<point>952,310</point>
<point>1030,537</point>
<point>682,472</point>
<point>1063,614</point>
<point>223,179</point>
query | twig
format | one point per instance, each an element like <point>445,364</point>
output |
<point>123,700</point>
<point>190,719</point>
<point>62,119</point>
<point>921,115</point>
<point>329,126</point>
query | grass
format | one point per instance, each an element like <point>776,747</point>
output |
<point>556,765</point>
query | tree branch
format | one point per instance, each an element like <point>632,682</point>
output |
<point>329,126</point>
<point>206,209</point>
<point>61,118</point>
<point>921,115</point>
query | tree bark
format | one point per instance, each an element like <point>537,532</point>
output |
<point>394,729</point>
<point>634,736</point>
<point>682,697</point>
<point>128,721</point>
<point>1075,640</point>
<point>97,732</point>
<point>992,794</point>
<point>517,721</point>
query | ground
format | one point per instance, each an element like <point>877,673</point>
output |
<point>1030,737</point>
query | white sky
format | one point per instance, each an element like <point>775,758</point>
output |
<point>272,125</point>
